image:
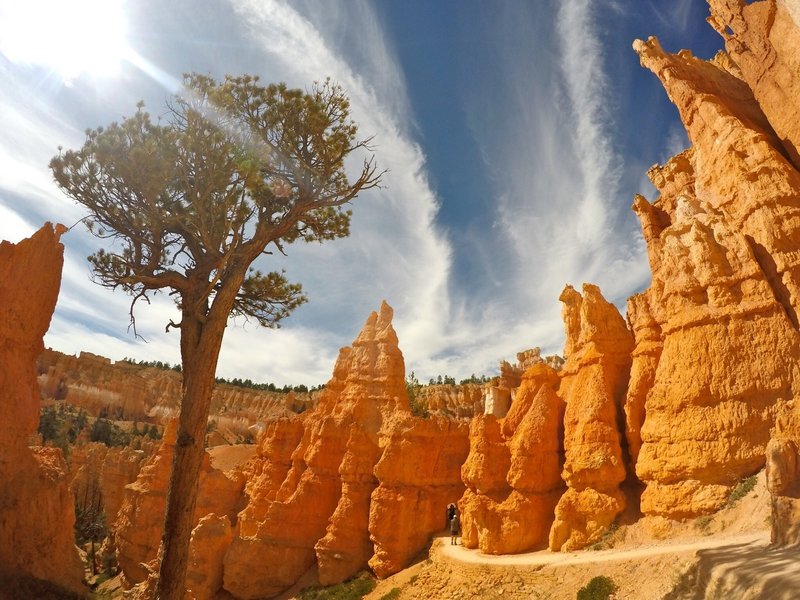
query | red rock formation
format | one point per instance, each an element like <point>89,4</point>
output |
<point>36,509</point>
<point>763,40</point>
<point>513,469</point>
<point>137,392</point>
<point>321,510</point>
<point>453,400</point>
<point>346,547</point>
<point>646,354</point>
<point>210,539</point>
<point>594,378</point>
<point>420,474</point>
<point>140,521</point>
<point>783,483</point>
<point>110,469</point>
<point>489,457</point>
<point>268,471</point>
<point>722,241</point>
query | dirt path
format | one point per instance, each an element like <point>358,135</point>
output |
<point>546,558</point>
<point>736,565</point>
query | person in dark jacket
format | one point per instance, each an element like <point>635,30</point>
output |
<point>454,524</point>
<point>451,511</point>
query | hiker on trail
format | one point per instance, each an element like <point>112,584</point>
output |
<point>454,529</point>
<point>451,511</point>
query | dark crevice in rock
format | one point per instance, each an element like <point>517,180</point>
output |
<point>782,294</point>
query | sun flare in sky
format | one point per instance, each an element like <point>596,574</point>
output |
<point>67,37</point>
<point>515,135</point>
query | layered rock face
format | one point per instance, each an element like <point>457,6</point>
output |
<point>320,511</point>
<point>36,509</point>
<point>355,482</point>
<point>461,401</point>
<point>108,469</point>
<point>594,379</point>
<point>419,473</point>
<point>513,469</point>
<point>723,305</point>
<point>136,392</point>
<point>140,521</point>
<point>763,39</point>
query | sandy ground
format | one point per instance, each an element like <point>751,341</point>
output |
<point>740,567</point>
<point>227,457</point>
<point>726,555</point>
<point>558,559</point>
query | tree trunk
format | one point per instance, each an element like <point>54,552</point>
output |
<point>200,347</point>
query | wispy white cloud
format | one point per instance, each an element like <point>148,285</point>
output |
<point>676,15</point>
<point>546,138</point>
<point>395,250</point>
<point>560,203</point>
<point>582,70</point>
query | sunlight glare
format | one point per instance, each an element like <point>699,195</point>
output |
<point>69,37</point>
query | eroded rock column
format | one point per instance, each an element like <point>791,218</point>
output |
<point>513,470</point>
<point>37,514</point>
<point>595,376</point>
<point>722,239</point>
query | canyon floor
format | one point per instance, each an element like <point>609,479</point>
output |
<point>725,555</point>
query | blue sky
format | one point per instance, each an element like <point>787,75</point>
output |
<point>515,133</point>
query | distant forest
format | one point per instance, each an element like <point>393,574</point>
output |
<point>271,387</point>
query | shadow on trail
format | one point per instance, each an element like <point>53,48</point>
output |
<point>741,571</point>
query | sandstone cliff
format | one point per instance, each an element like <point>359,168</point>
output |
<point>36,510</point>
<point>763,39</point>
<point>419,474</point>
<point>718,328</point>
<point>512,472</point>
<point>140,521</point>
<point>461,401</point>
<point>142,393</point>
<point>109,470</point>
<point>320,511</point>
<point>593,382</point>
